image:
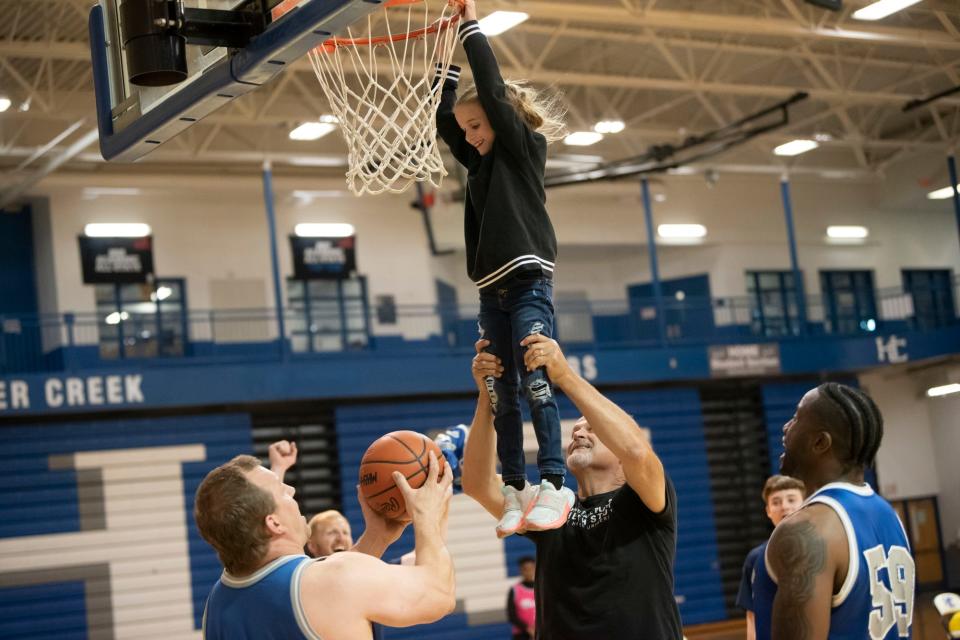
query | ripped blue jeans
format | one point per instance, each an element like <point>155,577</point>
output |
<point>509,312</point>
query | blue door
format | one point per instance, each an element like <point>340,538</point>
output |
<point>448,312</point>
<point>849,302</point>
<point>773,303</point>
<point>21,348</point>
<point>932,292</point>
<point>687,308</point>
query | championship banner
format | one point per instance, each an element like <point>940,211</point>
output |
<point>323,258</point>
<point>116,260</point>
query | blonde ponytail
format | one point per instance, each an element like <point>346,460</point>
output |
<point>541,111</point>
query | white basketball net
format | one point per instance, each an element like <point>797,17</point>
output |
<point>382,91</point>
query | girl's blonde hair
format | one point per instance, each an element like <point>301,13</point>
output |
<point>542,111</point>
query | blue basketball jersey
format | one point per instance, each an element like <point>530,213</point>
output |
<point>875,601</point>
<point>263,606</point>
<point>764,590</point>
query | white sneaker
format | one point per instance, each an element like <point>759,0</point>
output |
<point>551,509</point>
<point>515,506</point>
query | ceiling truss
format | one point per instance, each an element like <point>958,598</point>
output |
<point>668,68</point>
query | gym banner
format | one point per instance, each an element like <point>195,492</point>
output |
<point>731,360</point>
<point>323,258</point>
<point>116,260</point>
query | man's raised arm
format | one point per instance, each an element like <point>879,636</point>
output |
<point>479,478</point>
<point>349,588</point>
<point>612,425</point>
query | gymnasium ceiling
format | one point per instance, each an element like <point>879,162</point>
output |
<point>668,68</point>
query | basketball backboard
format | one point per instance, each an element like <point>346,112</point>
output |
<point>134,120</point>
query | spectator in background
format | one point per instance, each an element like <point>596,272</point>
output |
<point>521,603</point>
<point>782,495</point>
<point>329,530</point>
<point>329,533</point>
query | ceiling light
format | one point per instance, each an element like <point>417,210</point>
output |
<point>941,194</point>
<point>583,138</point>
<point>500,21</point>
<point>847,232</point>
<point>116,230</point>
<point>572,161</point>
<point>162,293</point>
<point>4,104</point>
<point>92,193</point>
<point>684,231</point>
<point>324,230</point>
<point>609,126</point>
<point>312,130</point>
<point>882,8</point>
<point>316,161</point>
<point>796,147</point>
<point>943,390</point>
<point>310,195</point>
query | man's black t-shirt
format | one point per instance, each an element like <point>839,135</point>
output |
<point>608,572</point>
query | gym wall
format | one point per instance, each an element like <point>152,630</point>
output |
<point>220,233</point>
<point>97,537</point>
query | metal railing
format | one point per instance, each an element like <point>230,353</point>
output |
<point>88,340</point>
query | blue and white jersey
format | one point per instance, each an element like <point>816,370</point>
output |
<point>764,591</point>
<point>264,605</point>
<point>875,601</point>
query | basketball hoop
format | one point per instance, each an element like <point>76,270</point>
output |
<point>382,91</point>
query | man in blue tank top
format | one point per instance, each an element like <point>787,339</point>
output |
<point>840,568</point>
<point>270,590</point>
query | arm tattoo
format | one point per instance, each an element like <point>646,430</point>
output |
<point>800,557</point>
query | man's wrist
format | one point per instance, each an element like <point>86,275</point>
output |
<point>565,380</point>
<point>373,543</point>
<point>426,526</point>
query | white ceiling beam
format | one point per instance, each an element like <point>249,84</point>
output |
<point>826,78</point>
<point>35,49</point>
<point>719,23</point>
<point>842,96</point>
<point>947,23</point>
<point>717,47</point>
<point>52,165</point>
<point>336,162</point>
<point>547,48</point>
<point>63,135</point>
<point>27,87</point>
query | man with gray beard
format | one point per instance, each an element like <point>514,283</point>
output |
<point>607,572</point>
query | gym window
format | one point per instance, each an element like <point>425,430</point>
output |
<point>142,320</point>
<point>932,293</point>
<point>328,315</point>
<point>849,301</point>
<point>773,303</point>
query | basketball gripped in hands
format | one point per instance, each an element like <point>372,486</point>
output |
<point>402,451</point>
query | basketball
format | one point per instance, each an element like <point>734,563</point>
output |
<point>403,451</point>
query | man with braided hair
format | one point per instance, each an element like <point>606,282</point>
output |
<point>840,568</point>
